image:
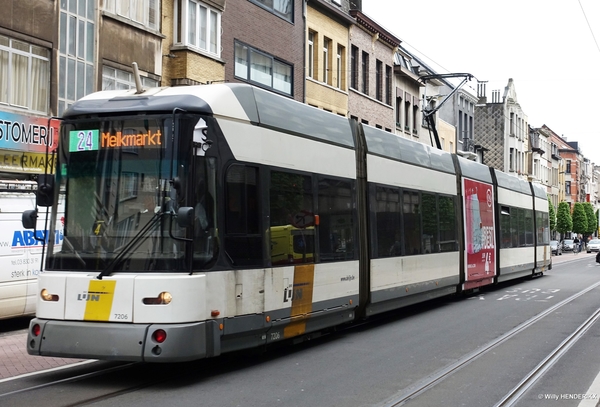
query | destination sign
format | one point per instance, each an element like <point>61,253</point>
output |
<point>92,140</point>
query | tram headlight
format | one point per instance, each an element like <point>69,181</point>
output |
<point>163,298</point>
<point>46,296</point>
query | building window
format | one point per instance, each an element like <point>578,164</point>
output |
<point>198,26</point>
<point>76,77</point>
<point>398,112</point>
<point>378,80</point>
<point>311,54</point>
<point>388,85</point>
<point>24,75</point>
<point>354,67</point>
<point>262,69</point>
<point>282,8</point>
<point>415,113</point>
<point>114,79</point>
<point>340,67</point>
<point>568,167</point>
<point>568,187</point>
<point>326,61</point>
<point>407,115</point>
<point>144,12</point>
<point>512,124</point>
<point>511,159</point>
<point>365,73</point>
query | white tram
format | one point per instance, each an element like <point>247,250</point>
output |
<point>206,219</point>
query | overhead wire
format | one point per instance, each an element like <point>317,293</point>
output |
<point>588,24</point>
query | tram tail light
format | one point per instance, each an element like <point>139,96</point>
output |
<point>159,336</point>
<point>46,296</point>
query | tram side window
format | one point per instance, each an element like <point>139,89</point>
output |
<point>292,228</point>
<point>412,222</point>
<point>448,229</point>
<point>514,227</point>
<point>336,220</point>
<point>505,230</point>
<point>529,227</point>
<point>243,238</point>
<point>388,213</point>
<point>430,223</point>
<point>543,230</point>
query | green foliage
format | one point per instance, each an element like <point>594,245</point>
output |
<point>591,218</point>
<point>580,223</point>
<point>564,222</point>
<point>551,215</point>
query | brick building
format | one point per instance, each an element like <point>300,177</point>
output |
<point>263,44</point>
<point>371,72</point>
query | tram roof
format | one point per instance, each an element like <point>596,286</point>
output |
<point>232,100</point>
<point>513,183</point>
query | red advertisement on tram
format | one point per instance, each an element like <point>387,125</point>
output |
<point>480,267</point>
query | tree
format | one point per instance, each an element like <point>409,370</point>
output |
<point>580,224</point>
<point>591,218</point>
<point>564,222</point>
<point>551,215</point>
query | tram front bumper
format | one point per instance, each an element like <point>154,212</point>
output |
<point>123,342</point>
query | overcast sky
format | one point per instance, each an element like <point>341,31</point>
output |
<point>551,49</point>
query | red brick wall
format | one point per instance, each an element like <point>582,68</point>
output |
<point>248,22</point>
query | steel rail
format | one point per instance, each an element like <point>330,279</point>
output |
<point>530,379</point>
<point>437,377</point>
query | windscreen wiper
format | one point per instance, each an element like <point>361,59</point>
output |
<point>131,245</point>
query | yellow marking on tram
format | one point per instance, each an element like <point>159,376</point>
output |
<point>99,300</point>
<point>304,277</point>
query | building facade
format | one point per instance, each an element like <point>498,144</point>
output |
<point>501,128</point>
<point>327,40</point>
<point>372,50</point>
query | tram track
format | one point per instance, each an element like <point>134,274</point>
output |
<point>72,379</point>
<point>513,396</point>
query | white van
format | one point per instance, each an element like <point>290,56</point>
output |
<point>20,252</point>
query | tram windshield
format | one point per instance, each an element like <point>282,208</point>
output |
<point>124,181</point>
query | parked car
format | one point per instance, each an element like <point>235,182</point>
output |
<point>593,245</point>
<point>567,245</point>
<point>556,247</point>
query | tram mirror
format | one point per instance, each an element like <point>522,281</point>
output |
<point>176,184</point>
<point>29,219</point>
<point>45,190</point>
<point>185,216</point>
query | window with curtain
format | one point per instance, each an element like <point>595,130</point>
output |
<point>117,79</point>
<point>24,75</point>
<point>198,26</point>
<point>144,12</point>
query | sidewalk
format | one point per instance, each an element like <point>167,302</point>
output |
<point>15,361</point>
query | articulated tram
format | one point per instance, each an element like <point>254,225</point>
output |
<point>206,219</point>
